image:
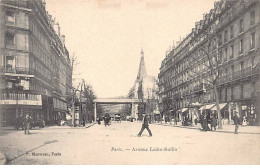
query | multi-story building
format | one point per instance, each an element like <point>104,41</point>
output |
<point>229,33</point>
<point>36,71</point>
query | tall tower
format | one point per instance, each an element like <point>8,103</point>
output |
<point>142,71</point>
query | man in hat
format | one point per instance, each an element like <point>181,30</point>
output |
<point>145,125</point>
<point>236,121</point>
<point>27,124</point>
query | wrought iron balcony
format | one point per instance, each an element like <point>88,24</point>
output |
<point>20,3</point>
<point>17,70</point>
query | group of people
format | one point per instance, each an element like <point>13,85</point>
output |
<point>107,120</point>
<point>24,122</point>
<point>204,122</point>
<point>214,122</point>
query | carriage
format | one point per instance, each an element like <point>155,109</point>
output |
<point>118,117</point>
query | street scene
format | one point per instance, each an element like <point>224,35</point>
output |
<point>134,82</point>
<point>101,145</point>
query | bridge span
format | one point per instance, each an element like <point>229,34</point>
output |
<point>114,101</point>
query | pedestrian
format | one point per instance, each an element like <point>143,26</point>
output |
<point>204,123</point>
<point>244,121</point>
<point>145,125</point>
<point>175,121</point>
<point>236,121</point>
<point>98,120</point>
<point>195,119</point>
<point>213,122</point>
<point>27,124</point>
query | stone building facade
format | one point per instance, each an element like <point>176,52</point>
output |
<point>230,33</point>
<point>36,71</point>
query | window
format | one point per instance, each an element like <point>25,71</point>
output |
<point>232,70</point>
<point>226,71</point>
<point>9,17</point>
<point>231,51</point>
<point>241,65</point>
<point>220,40</point>
<point>9,38</point>
<point>220,56</point>
<point>225,54</point>
<point>241,26</point>
<point>225,36</point>
<point>252,40</point>
<point>242,91</point>
<point>252,22</point>
<point>231,32</point>
<point>253,61</point>
<point>10,63</point>
<point>241,46</point>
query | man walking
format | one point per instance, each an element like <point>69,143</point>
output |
<point>236,121</point>
<point>145,125</point>
<point>213,122</point>
<point>27,124</point>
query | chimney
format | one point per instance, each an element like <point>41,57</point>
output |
<point>57,28</point>
<point>43,3</point>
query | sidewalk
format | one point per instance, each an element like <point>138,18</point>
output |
<point>2,158</point>
<point>53,126</point>
<point>225,128</point>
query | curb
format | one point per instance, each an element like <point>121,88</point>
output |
<point>2,159</point>
<point>197,128</point>
<point>90,125</point>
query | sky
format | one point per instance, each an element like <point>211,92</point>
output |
<point>107,36</point>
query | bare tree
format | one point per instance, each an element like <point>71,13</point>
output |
<point>210,58</point>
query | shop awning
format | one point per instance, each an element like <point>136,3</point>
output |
<point>156,112</point>
<point>221,106</point>
<point>207,107</point>
<point>184,109</point>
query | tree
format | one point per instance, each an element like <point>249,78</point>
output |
<point>131,93</point>
<point>89,96</point>
<point>142,104</point>
<point>210,59</point>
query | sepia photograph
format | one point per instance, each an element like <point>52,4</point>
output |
<point>129,82</point>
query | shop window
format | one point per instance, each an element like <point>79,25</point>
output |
<point>10,40</point>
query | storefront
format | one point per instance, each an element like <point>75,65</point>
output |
<point>206,110</point>
<point>224,113</point>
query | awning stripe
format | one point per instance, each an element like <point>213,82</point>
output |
<point>207,107</point>
<point>221,106</point>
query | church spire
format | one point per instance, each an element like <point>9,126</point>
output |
<point>142,71</point>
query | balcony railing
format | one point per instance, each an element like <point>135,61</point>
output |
<point>238,74</point>
<point>20,3</point>
<point>17,70</point>
<point>199,88</point>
